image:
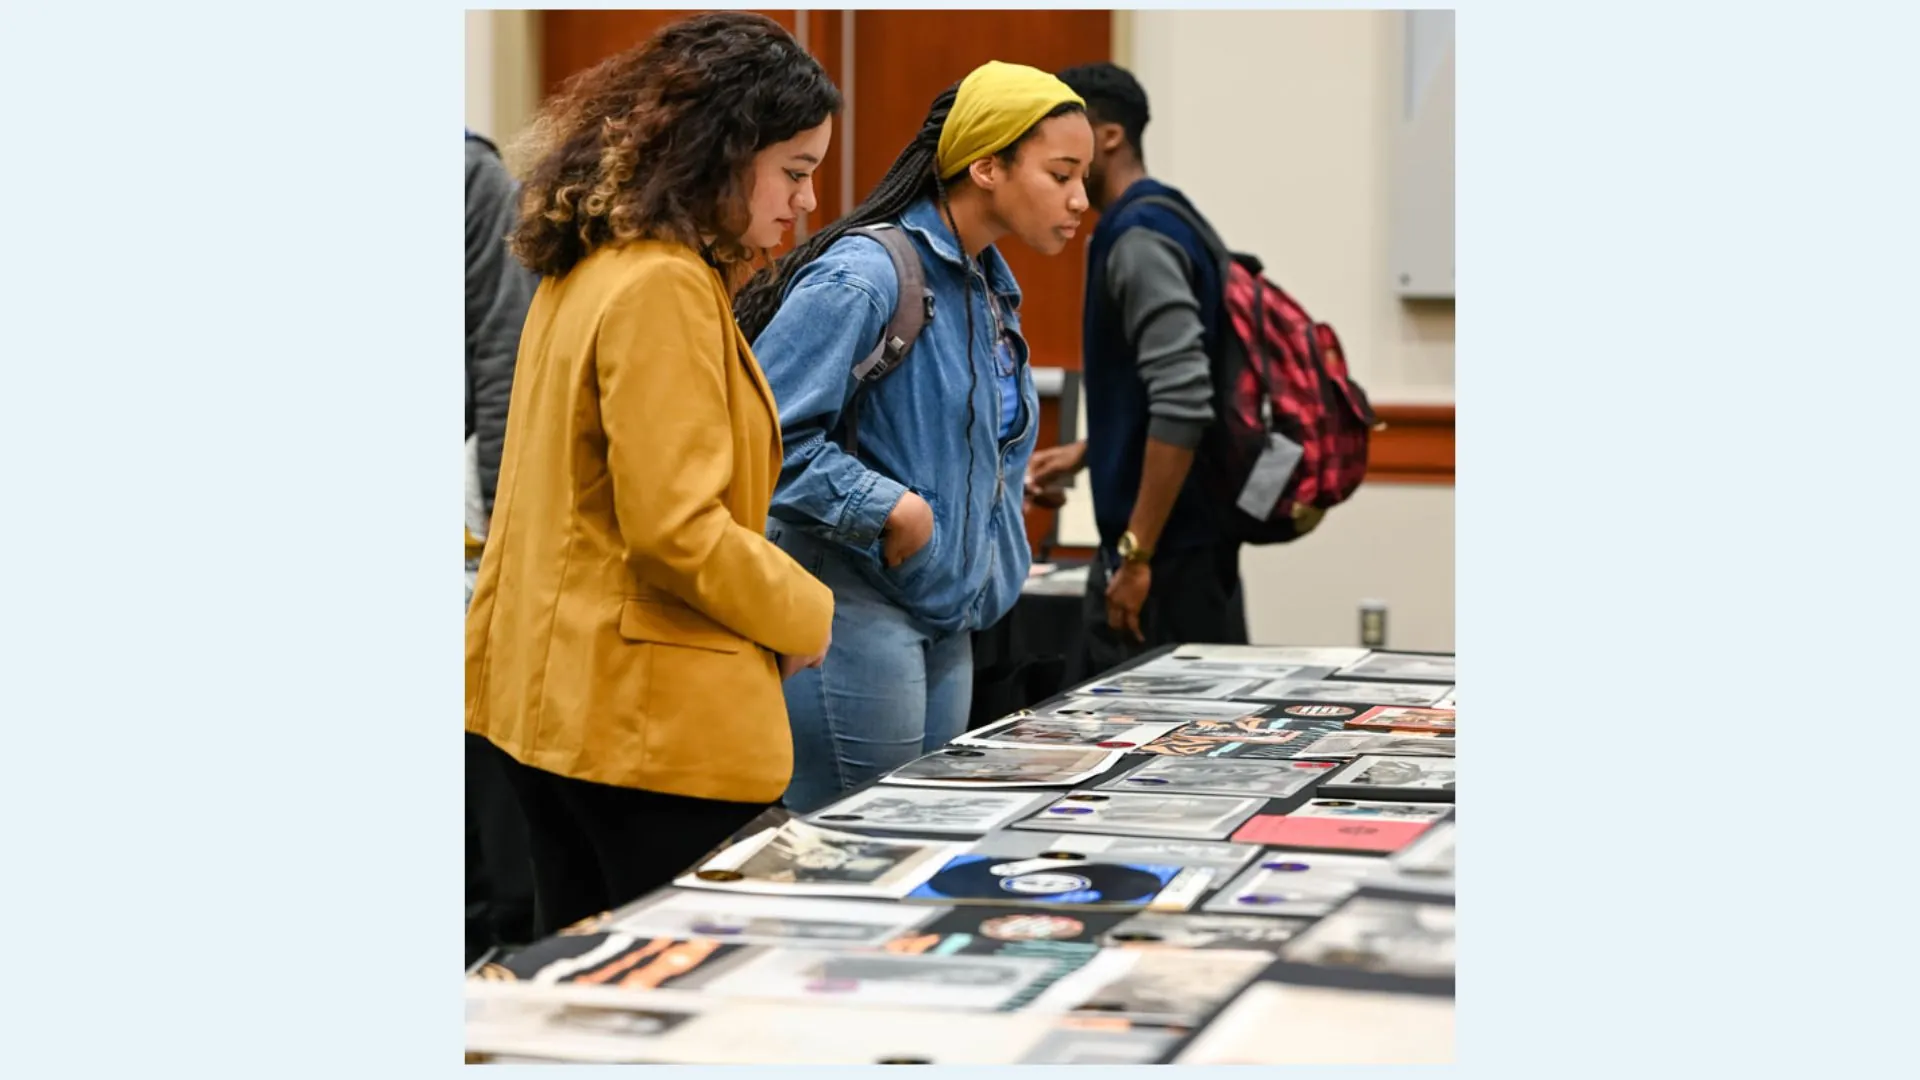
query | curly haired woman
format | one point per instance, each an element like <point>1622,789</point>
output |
<point>632,624</point>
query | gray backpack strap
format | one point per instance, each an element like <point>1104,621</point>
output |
<point>912,310</point>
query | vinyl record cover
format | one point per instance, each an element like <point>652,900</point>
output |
<point>1221,859</point>
<point>1202,817</point>
<point>1350,693</point>
<point>1215,776</point>
<point>1381,936</point>
<point>753,919</point>
<point>1409,778</point>
<point>1352,744</point>
<point>1004,766</point>
<point>798,859</point>
<point>1402,667</point>
<point>575,1022</point>
<point>626,961</point>
<point>1402,718</point>
<point>1334,657</point>
<point>1156,986</point>
<point>1144,710</point>
<point>1064,939</point>
<point>1195,685</point>
<point>1271,1023</point>
<point>1329,834</point>
<point>1293,883</point>
<point>1105,733</point>
<point>941,811</point>
<point>971,983</point>
<point>1165,930</point>
<point>1048,881</point>
<point>1216,737</point>
<point>1368,810</point>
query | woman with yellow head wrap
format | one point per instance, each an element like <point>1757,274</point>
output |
<point>916,521</point>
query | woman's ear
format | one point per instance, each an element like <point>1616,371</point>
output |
<point>986,172</point>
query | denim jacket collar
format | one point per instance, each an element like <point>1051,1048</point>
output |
<point>925,220</point>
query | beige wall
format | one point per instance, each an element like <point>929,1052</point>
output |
<point>1278,124</point>
<point>503,72</point>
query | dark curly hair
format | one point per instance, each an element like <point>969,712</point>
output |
<point>1113,96</point>
<point>912,176</point>
<point>658,142</point>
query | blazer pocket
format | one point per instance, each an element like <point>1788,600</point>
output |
<point>675,624</point>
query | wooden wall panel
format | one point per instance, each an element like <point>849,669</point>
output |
<point>903,58</point>
<point>1416,447</point>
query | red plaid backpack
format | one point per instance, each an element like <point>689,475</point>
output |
<point>1282,397</point>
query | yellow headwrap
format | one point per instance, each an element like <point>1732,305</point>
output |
<point>997,103</point>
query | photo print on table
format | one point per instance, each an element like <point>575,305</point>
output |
<point>1222,776</point>
<point>945,811</point>
<point>1350,693</point>
<point>799,859</point>
<point>1106,733</point>
<point>1205,817</point>
<point>1401,667</point>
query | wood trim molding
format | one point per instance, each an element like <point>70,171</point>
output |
<point>1416,447</point>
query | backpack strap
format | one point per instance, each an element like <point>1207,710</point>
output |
<point>912,310</point>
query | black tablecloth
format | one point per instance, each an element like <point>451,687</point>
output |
<point>1027,657</point>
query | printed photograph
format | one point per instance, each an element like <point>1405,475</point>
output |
<point>1412,774</point>
<point>1216,776</point>
<point>1357,693</point>
<point>1381,935</point>
<point>1204,816</point>
<point>927,810</point>
<point>1402,667</point>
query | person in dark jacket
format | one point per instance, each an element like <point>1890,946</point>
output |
<point>499,870</point>
<point>1166,573</point>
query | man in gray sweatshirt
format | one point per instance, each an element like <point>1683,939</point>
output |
<point>1166,571</point>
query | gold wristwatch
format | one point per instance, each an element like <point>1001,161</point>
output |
<point>1130,549</point>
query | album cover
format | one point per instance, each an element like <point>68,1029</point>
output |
<point>1214,776</point>
<point>1329,834</point>
<point>1203,817</point>
<point>1402,718</point>
<point>1106,733</point>
<point>752,919</point>
<point>927,810</point>
<point>1364,810</point>
<point>1116,1043</point>
<point>1147,709</point>
<point>1351,693</point>
<point>1063,880</point>
<point>812,1032</point>
<point>1153,929</point>
<point>1004,766</point>
<point>1202,737</point>
<point>1221,860</point>
<point>1196,686</point>
<point>1063,939</point>
<point>973,983</point>
<point>1156,986</point>
<point>1409,778</point>
<point>1352,744</point>
<point>798,859</point>
<point>575,1022</point>
<point>1401,667</point>
<point>1422,868</point>
<point>1335,657</point>
<point>1228,669</point>
<point>1380,936</point>
<point>628,961</point>
<point>1272,1023</point>
<point>1293,883</point>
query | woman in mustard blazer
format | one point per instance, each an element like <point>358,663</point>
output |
<point>631,624</point>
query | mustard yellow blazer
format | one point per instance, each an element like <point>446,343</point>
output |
<point>629,606</point>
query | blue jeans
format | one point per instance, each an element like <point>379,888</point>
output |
<point>889,691</point>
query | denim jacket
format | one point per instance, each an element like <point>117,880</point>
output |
<point>917,431</point>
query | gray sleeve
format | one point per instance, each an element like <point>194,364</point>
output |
<point>1147,277</point>
<point>499,290</point>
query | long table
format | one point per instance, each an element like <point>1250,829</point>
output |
<point>1232,959</point>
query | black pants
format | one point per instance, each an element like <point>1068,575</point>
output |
<point>1195,599</point>
<point>596,847</point>
<point>499,868</point>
